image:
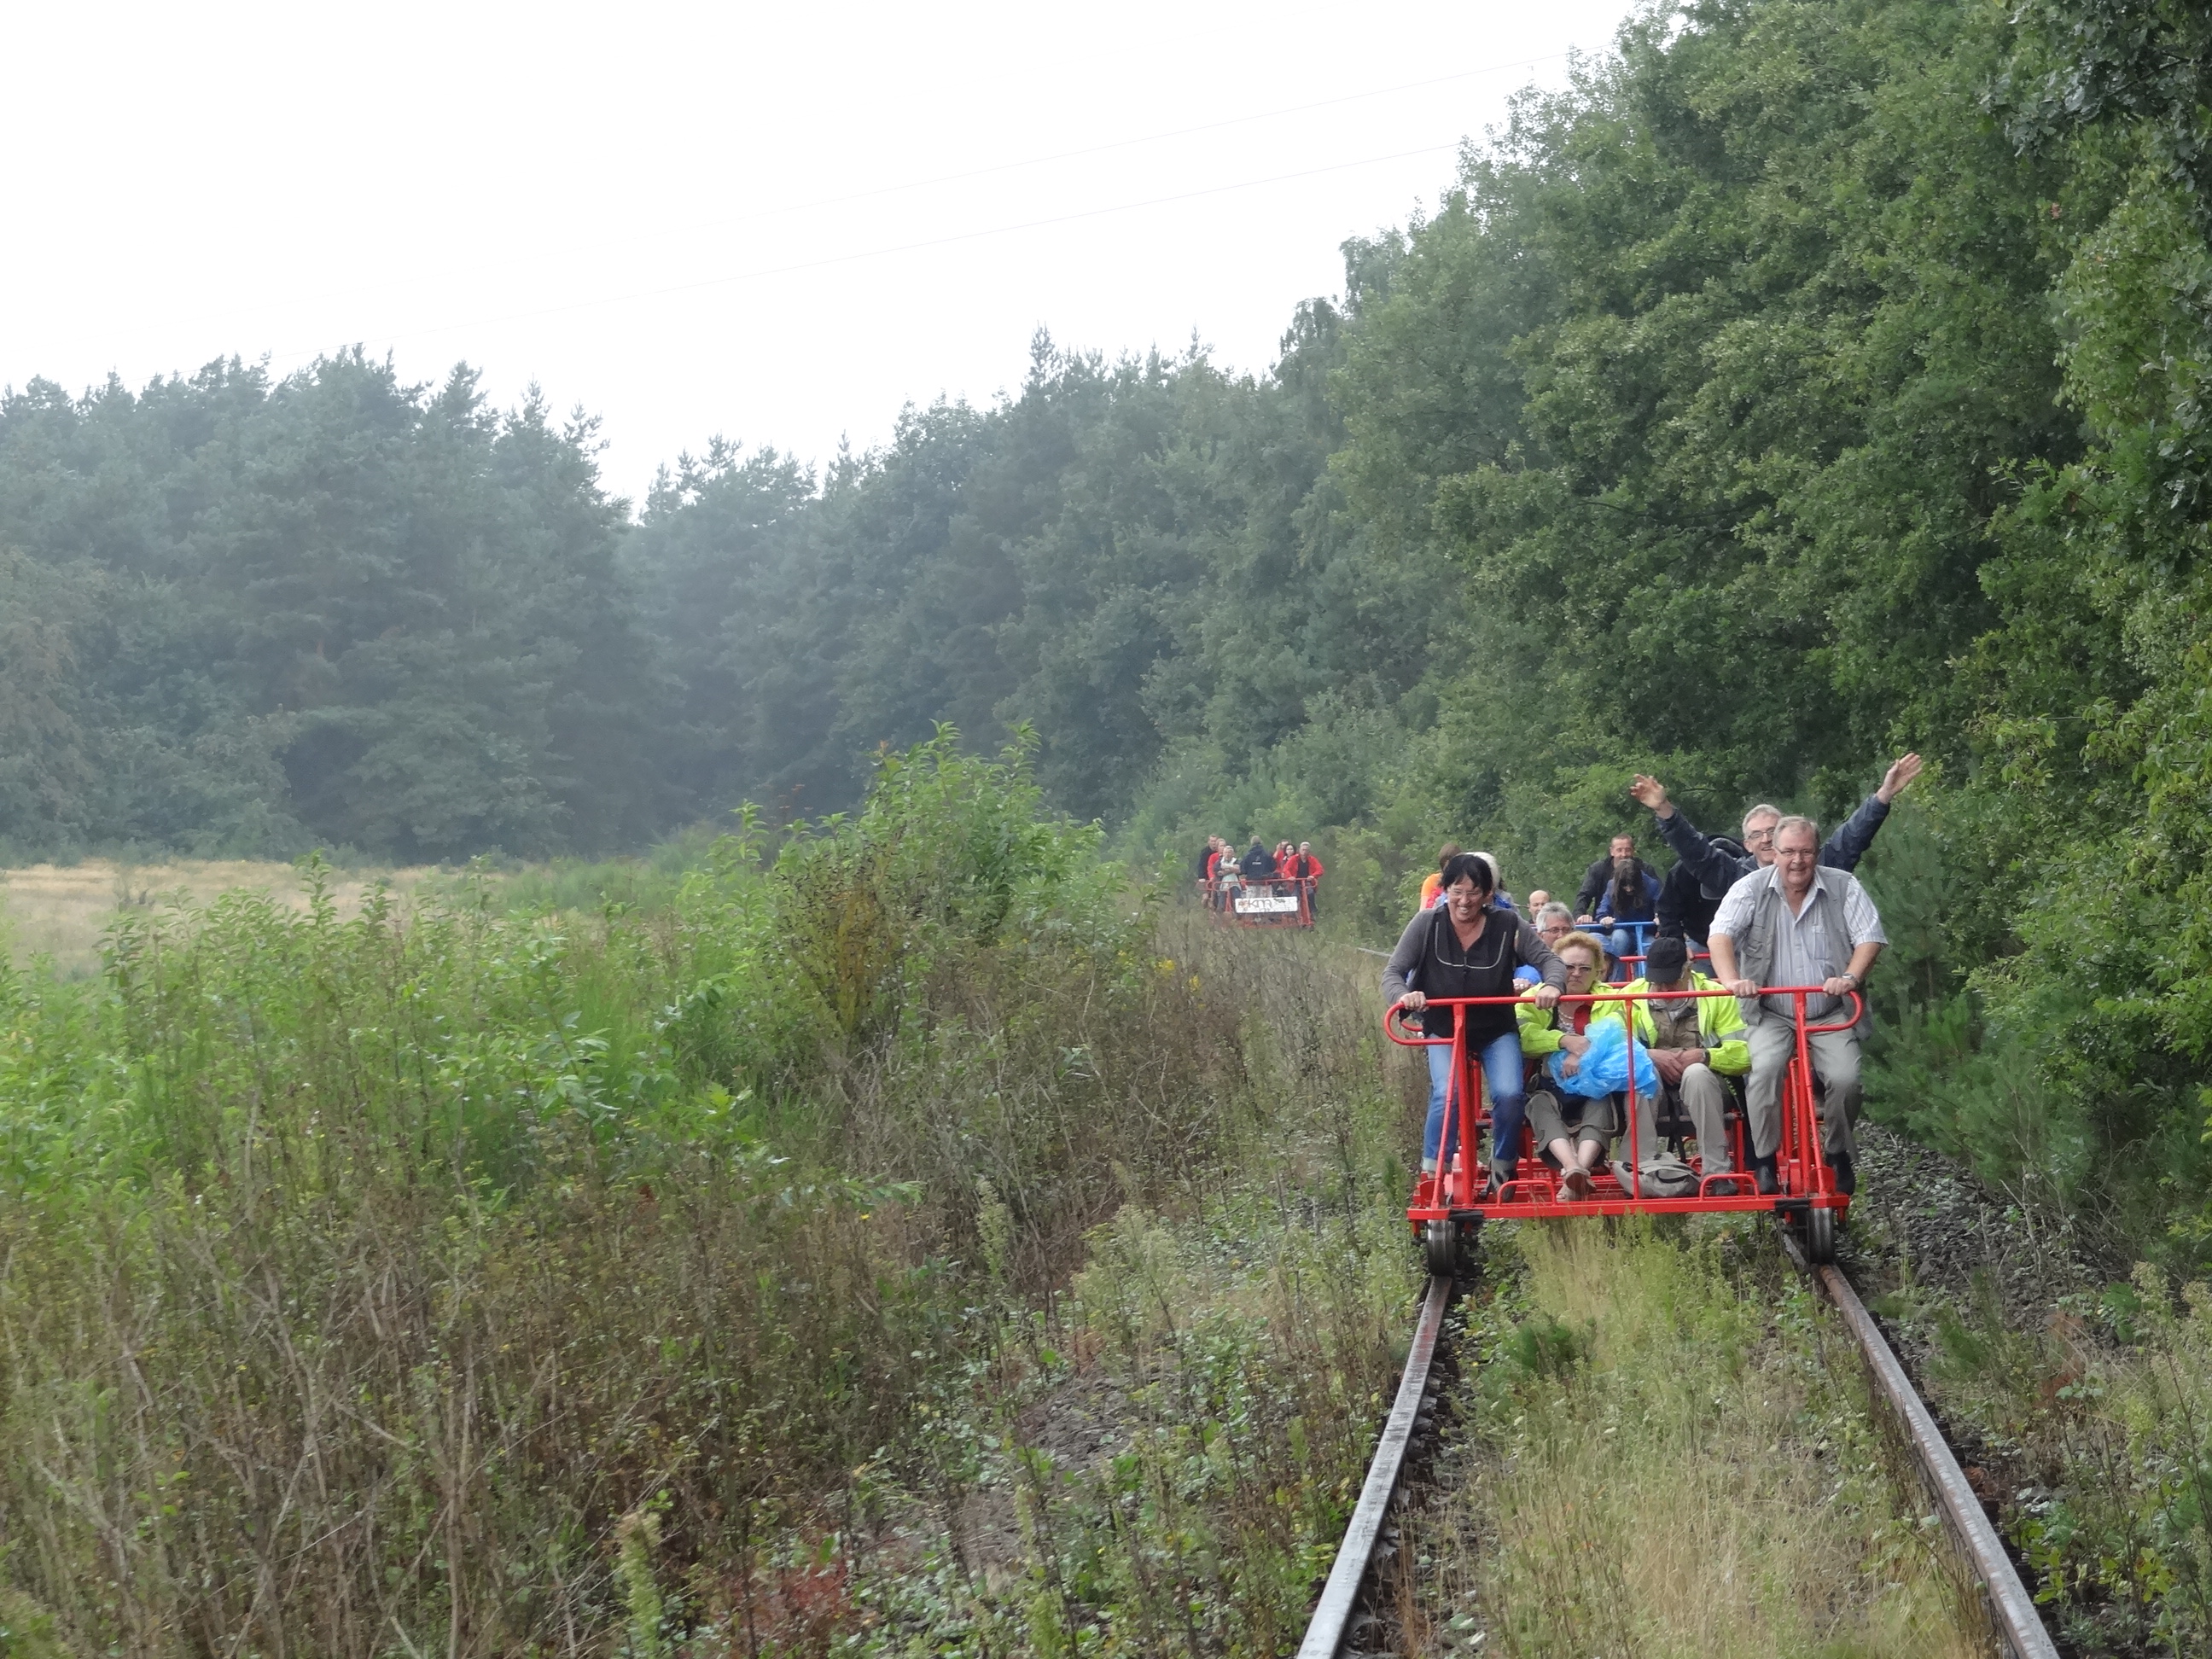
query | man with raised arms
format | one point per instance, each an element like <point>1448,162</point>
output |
<point>1717,866</point>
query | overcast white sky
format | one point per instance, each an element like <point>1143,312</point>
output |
<point>778,223</point>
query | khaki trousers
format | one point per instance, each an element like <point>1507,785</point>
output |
<point>1704,1098</point>
<point>1835,1056</point>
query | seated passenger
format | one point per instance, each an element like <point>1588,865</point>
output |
<point>1554,922</point>
<point>1619,887</point>
<point>1537,898</point>
<point>1688,901</point>
<point>1307,871</point>
<point>1571,1131</point>
<point>1695,1041</point>
<point>1469,947</point>
<point>1498,879</point>
<point>1798,923</point>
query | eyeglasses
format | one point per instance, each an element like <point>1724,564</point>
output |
<point>1767,834</point>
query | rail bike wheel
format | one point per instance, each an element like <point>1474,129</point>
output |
<point>1820,1236</point>
<point>1440,1248</point>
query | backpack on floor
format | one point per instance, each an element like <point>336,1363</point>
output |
<point>1665,1177</point>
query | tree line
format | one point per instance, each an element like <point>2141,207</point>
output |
<point>1803,381</point>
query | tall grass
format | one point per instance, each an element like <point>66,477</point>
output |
<point>496,1283</point>
<point>1675,1456</point>
<point>2102,1421</point>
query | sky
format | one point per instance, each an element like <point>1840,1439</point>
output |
<point>777,224</point>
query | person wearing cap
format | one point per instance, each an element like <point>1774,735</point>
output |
<point>1694,1041</point>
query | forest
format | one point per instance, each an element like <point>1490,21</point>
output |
<point>1806,382</point>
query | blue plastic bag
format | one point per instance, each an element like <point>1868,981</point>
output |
<point>1604,1068</point>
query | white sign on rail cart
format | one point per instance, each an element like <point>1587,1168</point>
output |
<point>1267,904</point>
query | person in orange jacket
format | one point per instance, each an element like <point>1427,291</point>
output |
<point>1307,871</point>
<point>1432,889</point>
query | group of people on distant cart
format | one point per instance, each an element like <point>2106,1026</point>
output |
<point>1223,873</point>
<point>1779,908</point>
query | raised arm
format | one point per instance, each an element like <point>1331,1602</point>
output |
<point>1849,844</point>
<point>1711,865</point>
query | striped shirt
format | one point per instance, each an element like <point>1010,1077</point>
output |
<point>1803,952</point>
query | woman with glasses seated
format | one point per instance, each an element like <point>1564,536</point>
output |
<point>1572,1131</point>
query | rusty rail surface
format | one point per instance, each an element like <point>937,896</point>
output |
<point>1339,1597</point>
<point>2012,1618</point>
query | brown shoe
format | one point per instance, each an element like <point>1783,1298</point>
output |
<point>1574,1184</point>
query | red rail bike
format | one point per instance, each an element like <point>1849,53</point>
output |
<point>1271,901</point>
<point>1451,1204</point>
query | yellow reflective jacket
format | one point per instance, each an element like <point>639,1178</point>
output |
<point>1720,1024</point>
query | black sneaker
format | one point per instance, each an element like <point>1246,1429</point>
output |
<point>1762,1170</point>
<point>1847,1178</point>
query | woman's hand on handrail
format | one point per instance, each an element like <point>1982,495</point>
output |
<point>1413,1002</point>
<point>1544,996</point>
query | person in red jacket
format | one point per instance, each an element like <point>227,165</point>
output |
<point>1307,871</point>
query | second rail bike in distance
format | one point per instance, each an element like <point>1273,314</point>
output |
<point>1449,1204</point>
<point>1268,902</point>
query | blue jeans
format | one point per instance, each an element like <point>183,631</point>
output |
<point>1627,940</point>
<point>1500,1059</point>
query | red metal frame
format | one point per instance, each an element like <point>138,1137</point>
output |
<point>1210,893</point>
<point>1460,1188</point>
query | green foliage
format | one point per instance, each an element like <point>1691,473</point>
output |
<point>1801,382</point>
<point>450,1257</point>
<point>332,607</point>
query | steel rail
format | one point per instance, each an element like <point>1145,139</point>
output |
<point>2013,1616</point>
<point>1333,1613</point>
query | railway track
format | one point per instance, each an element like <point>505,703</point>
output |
<point>2013,1619</point>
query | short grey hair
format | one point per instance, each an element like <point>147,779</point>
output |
<point>1794,820</point>
<point>1763,810</point>
<point>1554,911</point>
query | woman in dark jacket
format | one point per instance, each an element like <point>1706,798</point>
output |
<point>1468,946</point>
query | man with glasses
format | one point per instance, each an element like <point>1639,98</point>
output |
<point>1798,923</point>
<point>1717,868</point>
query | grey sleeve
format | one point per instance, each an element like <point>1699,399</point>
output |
<point>1855,834</point>
<point>1530,946</point>
<point>1862,921</point>
<point>1735,910</point>
<point>1406,957</point>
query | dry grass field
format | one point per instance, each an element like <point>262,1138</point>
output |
<point>60,911</point>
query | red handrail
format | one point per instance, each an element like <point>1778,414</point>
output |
<point>1798,1127</point>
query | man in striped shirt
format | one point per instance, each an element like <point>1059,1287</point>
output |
<point>1796,923</point>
